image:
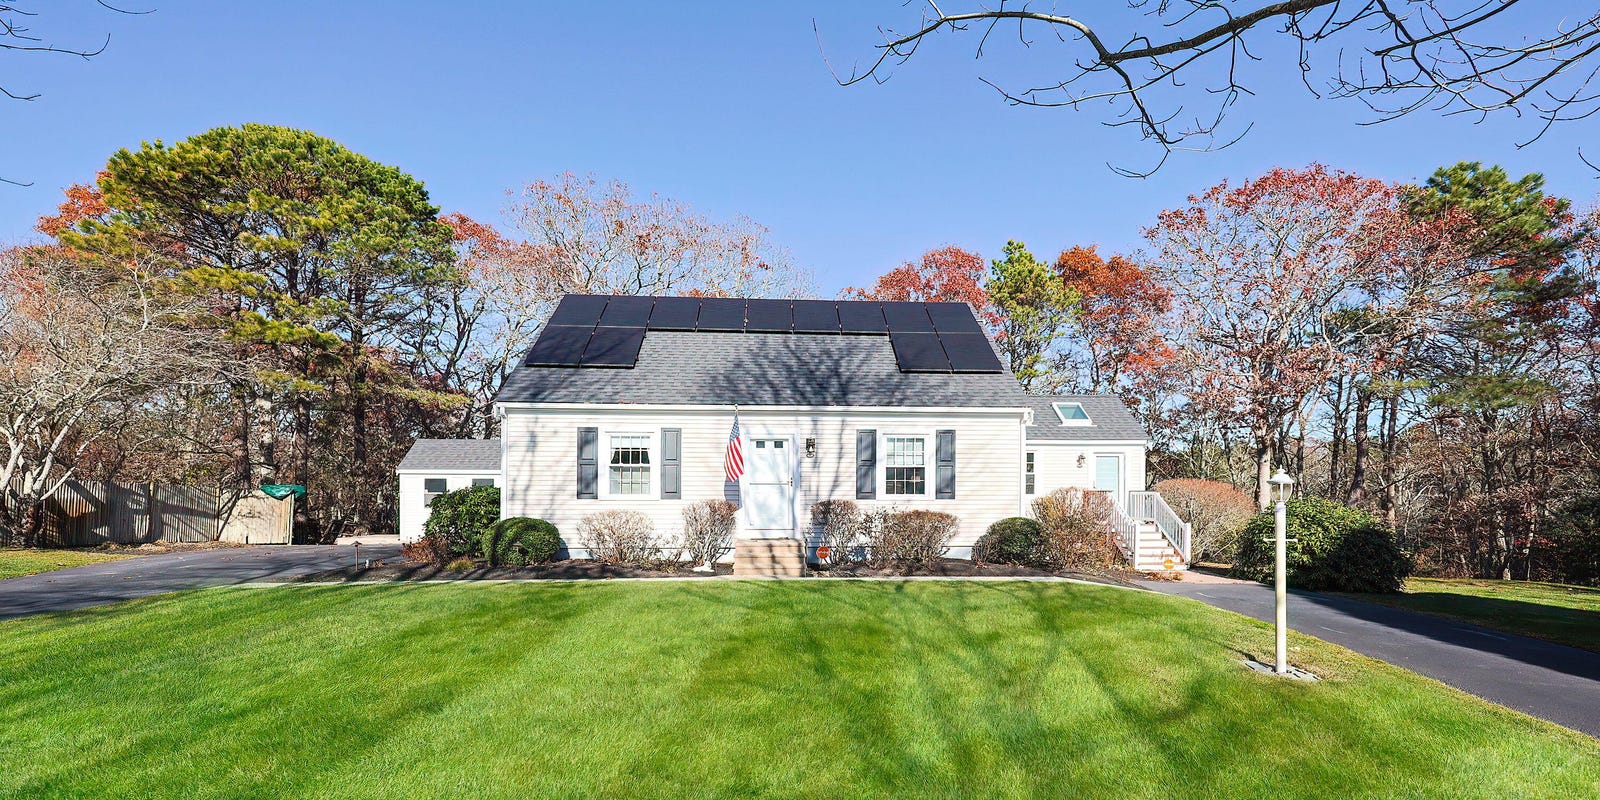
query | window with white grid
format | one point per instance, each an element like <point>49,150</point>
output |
<point>905,466</point>
<point>628,465</point>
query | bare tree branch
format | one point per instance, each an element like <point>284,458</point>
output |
<point>1447,56</point>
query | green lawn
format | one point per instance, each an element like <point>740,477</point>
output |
<point>730,689</point>
<point>1559,613</point>
<point>16,562</point>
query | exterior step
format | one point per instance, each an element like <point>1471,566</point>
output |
<point>768,558</point>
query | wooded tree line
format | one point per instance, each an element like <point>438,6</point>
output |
<point>1425,352</point>
<point>262,305</point>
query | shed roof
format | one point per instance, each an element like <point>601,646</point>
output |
<point>458,455</point>
<point>1109,419</point>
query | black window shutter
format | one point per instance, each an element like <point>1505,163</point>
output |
<point>945,489</point>
<point>588,463</point>
<point>866,465</point>
<point>671,463</point>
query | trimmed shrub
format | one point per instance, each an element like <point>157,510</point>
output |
<point>620,537</point>
<point>1013,540</point>
<point>708,529</point>
<point>911,540</point>
<point>1215,511</point>
<point>459,519</point>
<point>1338,549</point>
<point>520,541</point>
<point>427,550</point>
<point>838,524</point>
<point>1074,534</point>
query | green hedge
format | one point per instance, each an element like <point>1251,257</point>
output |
<point>520,541</point>
<point>1013,540</point>
<point>459,519</point>
<point>1335,548</point>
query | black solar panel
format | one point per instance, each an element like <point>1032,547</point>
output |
<point>721,314</point>
<point>970,352</point>
<point>674,314</point>
<point>579,309</point>
<point>907,318</point>
<point>918,352</point>
<point>769,316</point>
<point>626,312</point>
<point>816,316</point>
<point>613,347</point>
<point>953,318</point>
<point>858,317</point>
<point>559,346</point>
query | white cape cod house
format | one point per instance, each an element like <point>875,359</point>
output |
<point>628,403</point>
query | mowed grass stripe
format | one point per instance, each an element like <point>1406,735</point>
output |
<point>726,689</point>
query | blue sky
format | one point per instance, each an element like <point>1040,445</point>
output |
<point>727,106</point>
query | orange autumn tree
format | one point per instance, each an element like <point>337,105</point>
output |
<point>944,274</point>
<point>1114,320</point>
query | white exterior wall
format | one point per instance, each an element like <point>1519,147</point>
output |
<point>412,512</point>
<point>1056,465</point>
<point>541,461</point>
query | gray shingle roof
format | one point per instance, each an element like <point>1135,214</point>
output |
<point>467,455</point>
<point>1109,419</point>
<point>761,369</point>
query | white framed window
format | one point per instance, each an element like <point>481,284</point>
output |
<point>903,470</point>
<point>1028,477</point>
<point>628,461</point>
<point>433,487</point>
<point>1072,414</point>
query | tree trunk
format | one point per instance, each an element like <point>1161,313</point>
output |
<point>1359,448</point>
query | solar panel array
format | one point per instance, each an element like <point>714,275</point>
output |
<point>607,331</point>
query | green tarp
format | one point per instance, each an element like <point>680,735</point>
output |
<point>278,491</point>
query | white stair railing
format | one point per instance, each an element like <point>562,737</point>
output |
<point>1152,506</point>
<point>1125,527</point>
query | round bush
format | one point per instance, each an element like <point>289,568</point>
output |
<point>1013,540</point>
<point>520,541</point>
<point>459,519</point>
<point>1338,549</point>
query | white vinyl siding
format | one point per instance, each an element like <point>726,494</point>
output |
<point>1059,465</point>
<point>541,461</point>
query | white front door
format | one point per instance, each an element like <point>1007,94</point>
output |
<point>768,486</point>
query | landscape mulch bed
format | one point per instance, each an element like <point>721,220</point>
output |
<point>401,571</point>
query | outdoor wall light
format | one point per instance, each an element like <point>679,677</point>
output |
<point>1082,458</point>
<point>811,447</point>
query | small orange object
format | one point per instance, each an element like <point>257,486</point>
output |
<point>822,552</point>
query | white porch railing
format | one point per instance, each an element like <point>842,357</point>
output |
<point>1125,527</point>
<point>1152,506</point>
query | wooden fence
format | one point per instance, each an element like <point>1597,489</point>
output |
<point>89,513</point>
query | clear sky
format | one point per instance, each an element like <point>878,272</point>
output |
<point>726,106</point>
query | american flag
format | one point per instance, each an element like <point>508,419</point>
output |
<point>733,462</point>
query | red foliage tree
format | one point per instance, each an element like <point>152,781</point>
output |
<point>945,274</point>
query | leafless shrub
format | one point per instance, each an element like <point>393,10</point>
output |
<point>839,523</point>
<point>908,540</point>
<point>620,537</point>
<point>708,529</point>
<point>1216,513</point>
<point>1074,532</point>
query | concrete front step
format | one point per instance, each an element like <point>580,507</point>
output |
<point>768,558</point>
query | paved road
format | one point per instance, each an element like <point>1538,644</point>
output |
<point>1552,681</point>
<point>115,581</point>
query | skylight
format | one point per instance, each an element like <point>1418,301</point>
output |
<point>1072,414</point>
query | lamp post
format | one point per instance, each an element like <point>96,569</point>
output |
<point>1282,485</point>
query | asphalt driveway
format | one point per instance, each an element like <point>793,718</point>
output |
<point>1552,681</point>
<point>141,576</point>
